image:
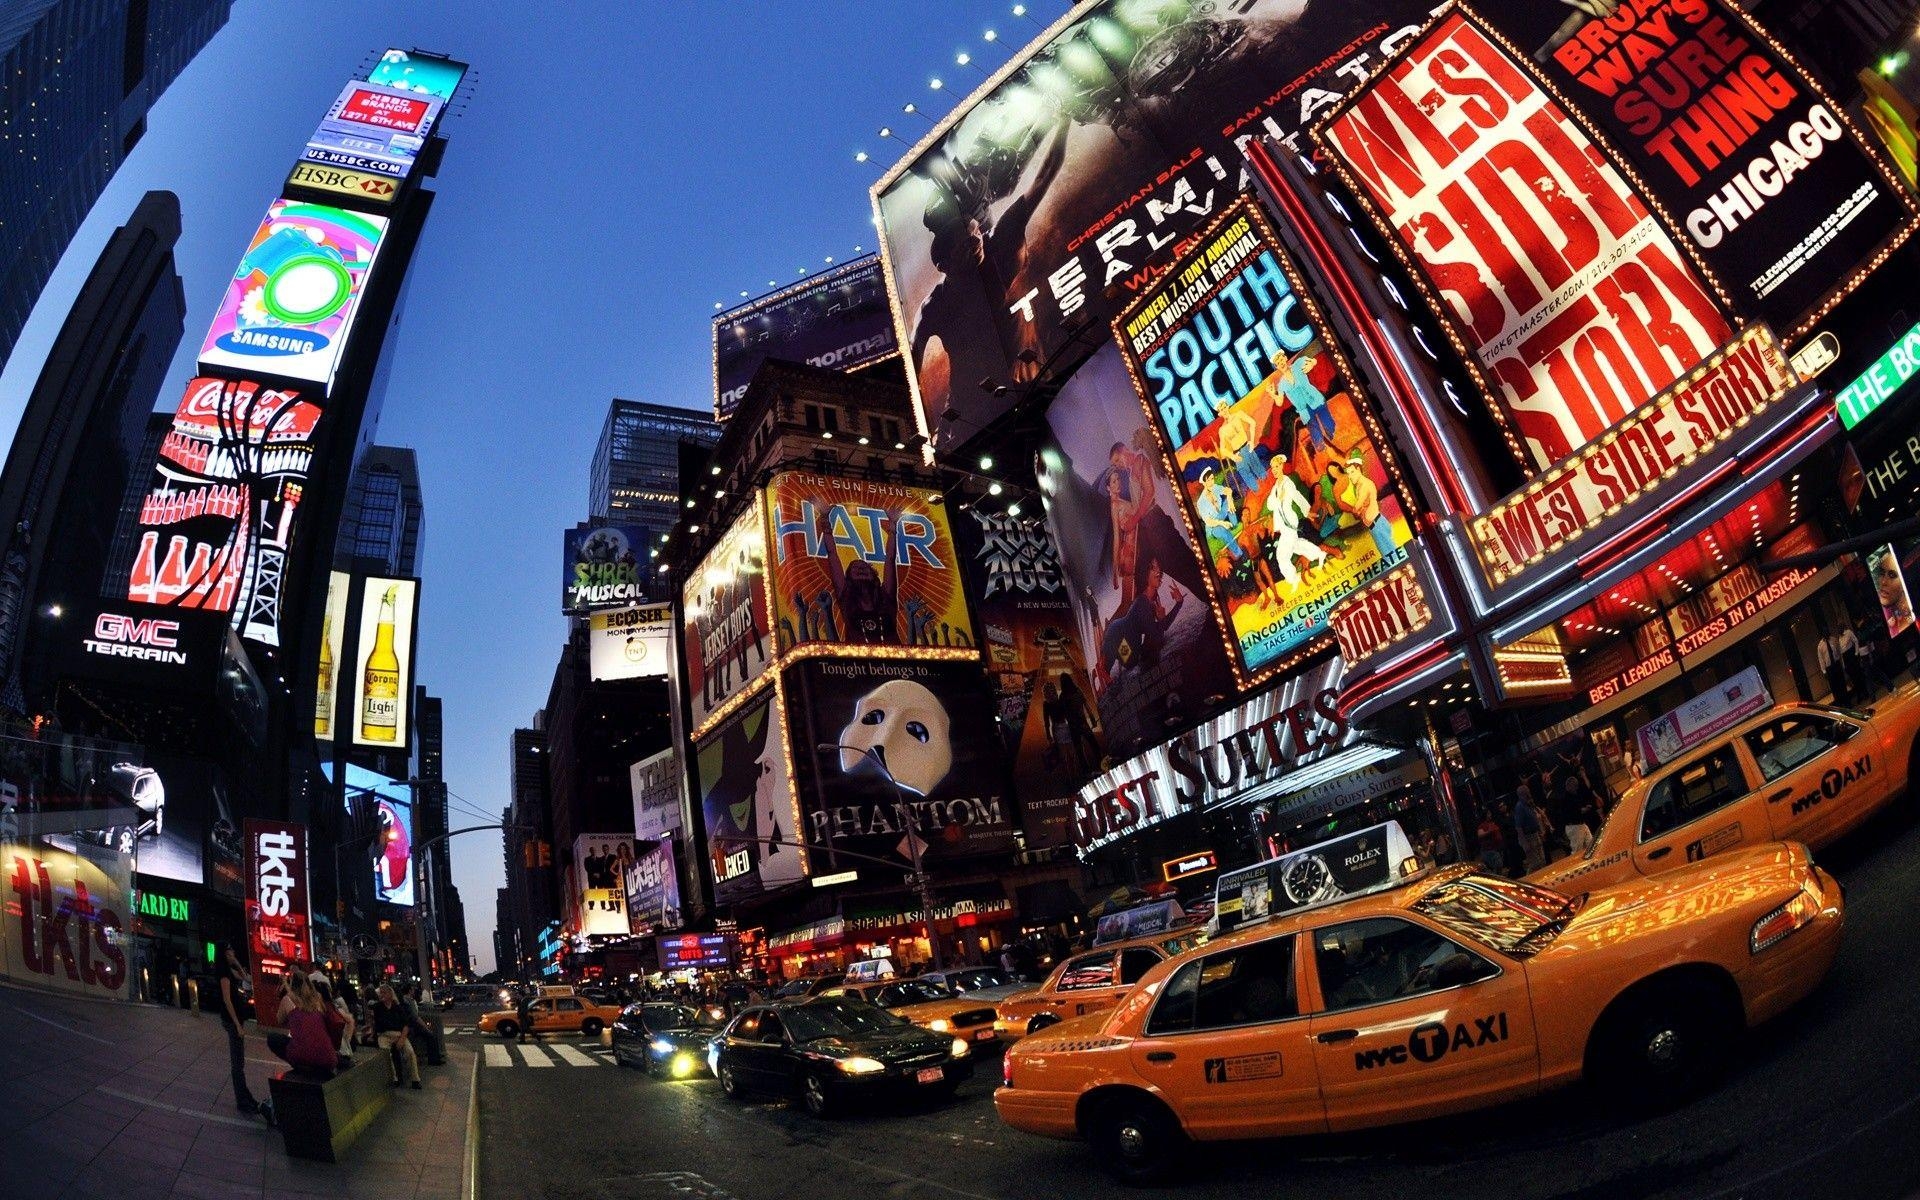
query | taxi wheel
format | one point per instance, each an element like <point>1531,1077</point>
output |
<point>1661,1047</point>
<point>1136,1139</point>
<point>590,1027</point>
<point>508,1029</point>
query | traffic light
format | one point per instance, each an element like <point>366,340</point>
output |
<point>546,854</point>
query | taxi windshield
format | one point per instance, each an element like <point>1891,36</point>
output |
<point>1513,918</point>
<point>913,991</point>
<point>838,1017</point>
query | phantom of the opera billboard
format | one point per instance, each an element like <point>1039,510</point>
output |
<point>747,800</point>
<point>1050,197</point>
<point>862,563</point>
<point>221,511</point>
<point>291,304</point>
<point>1155,656</point>
<point>724,618</point>
<point>838,319</point>
<point>1035,666</point>
<point>914,751</point>
<point>600,567</point>
<point>1273,446</point>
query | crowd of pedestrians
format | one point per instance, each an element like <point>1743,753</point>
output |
<point>1553,810</point>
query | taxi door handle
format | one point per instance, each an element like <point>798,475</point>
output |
<point>1160,1056</point>
<point>1662,852</point>
<point>1336,1035</point>
<point>1780,795</point>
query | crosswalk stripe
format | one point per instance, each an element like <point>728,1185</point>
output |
<point>497,1055</point>
<point>569,1055</point>
<point>533,1060</point>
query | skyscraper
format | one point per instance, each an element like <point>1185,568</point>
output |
<point>636,466</point>
<point>382,527</point>
<point>76,80</point>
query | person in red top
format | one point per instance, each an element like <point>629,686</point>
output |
<point>311,1042</point>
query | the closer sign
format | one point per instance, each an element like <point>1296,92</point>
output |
<point>1622,468</point>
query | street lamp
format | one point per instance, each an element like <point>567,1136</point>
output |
<point>919,879</point>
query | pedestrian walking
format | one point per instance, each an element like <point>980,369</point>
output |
<point>236,1005</point>
<point>1835,655</point>
<point>1531,831</point>
<point>1493,844</point>
<point>1579,812</point>
<point>524,1010</point>
<point>390,1023</point>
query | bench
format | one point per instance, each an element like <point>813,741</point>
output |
<point>318,1118</point>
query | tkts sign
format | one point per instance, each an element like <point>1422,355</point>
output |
<point>277,920</point>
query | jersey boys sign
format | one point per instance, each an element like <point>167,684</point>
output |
<point>1569,300</point>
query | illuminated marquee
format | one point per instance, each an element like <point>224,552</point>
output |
<point>1780,588</point>
<point>1385,613</point>
<point>1632,460</point>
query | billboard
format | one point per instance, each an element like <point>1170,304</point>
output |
<point>863,563</point>
<point>747,800</point>
<point>1890,586</point>
<point>1049,730</point>
<point>724,608</point>
<point>412,71</point>
<point>651,884</point>
<point>918,756</point>
<point>291,304</point>
<point>1047,199</point>
<point>601,864</point>
<point>1569,301</point>
<point>65,911</point>
<point>389,840</point>
<point>601,567</point>
<point>1275,449</point>
<point>375,129</point>
<point>220,514</point>
<point>279,925</point>
<point>360,185</point>
<point>1154,653</point>
<point>697,951</point>
<point>656,796</point>
<point>333,627</point>
<point>382,678</point>
<point>838,319</point>
<point>1757,166</point>
<point>630,643</point>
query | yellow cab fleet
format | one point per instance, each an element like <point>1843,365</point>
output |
<point>1405,993</point>
<point>558,1012</point>
<point>1091,981</point>
<point>929,1005</point>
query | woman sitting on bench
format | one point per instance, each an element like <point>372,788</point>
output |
<point>311,1043</point>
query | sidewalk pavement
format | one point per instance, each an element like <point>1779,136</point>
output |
<point>123,1101</point>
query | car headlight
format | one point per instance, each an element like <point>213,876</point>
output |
<point>940,1025</point>
<point>1796,913</point>
<point>662,1046</point>
<point>862,1065</point>
<point>960,1048</point>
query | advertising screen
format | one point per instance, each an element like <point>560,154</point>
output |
<point>748,803</point>
<point>861,563</point>
<point>65,911</point>
<point>917,755</point>
<point>327,677</point>
<point>221,511</point>
<point>293,298</point>
<point>656,796</point>
<point>376,129</point>
<point>1571,303</point>
<point>838,319</point>
<point>630,643</point>
<point>389,839</point>
<point>279,925</point>
<point>1272,443</point>
<point>1762,170</point>
<point>696,951</point>
<point>382,678</point>
<point>1890,585</point>
<point>601,864</point>
<point>600,566</point>
<point>1035,667</point>
<point>724,608</point>
<point>1154,652</point>
<point>1051,197</point>
<point>184,828</point>
<point>652,889</point>
<point>412,71</point>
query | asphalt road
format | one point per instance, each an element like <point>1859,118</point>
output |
<point>1823,1103</point>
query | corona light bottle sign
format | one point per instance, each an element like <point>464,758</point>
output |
<point>323,699</point>
<point>380,709</point>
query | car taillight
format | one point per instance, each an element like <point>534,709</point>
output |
<point>1778,924</point>
<point>1006,1071</point>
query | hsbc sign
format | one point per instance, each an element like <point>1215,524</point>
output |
<point>116,635</point>
<point>363,185</point>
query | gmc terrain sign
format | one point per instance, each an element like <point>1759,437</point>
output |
<point>151,640</point>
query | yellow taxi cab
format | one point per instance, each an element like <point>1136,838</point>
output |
<point>1796,772</point>
<point>1092,981</point>
<point>1457,991</point>
<point>929,1005</point>
<point>553,1014</point>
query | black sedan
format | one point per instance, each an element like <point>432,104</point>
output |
<point>664,1040</point>
<point>825,1052</point>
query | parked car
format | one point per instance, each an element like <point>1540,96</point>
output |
<point>667,1040</point>
<point>824,1052</point>
<point>1456,992</point>
<point>1091,981</point>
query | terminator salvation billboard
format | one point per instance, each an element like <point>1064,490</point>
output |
<point>859,563</point>
<point>1271,445</point>
<point>1775,189</point>
<point>724,611</point>
<point>1082,164</point>
<point>1570,302</point>
<point>837,319</point>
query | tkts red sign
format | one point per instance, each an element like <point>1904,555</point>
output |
<point>1567,297</point>
<point>67,934</point>
<point>277,920</point>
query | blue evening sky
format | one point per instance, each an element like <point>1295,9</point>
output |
<point>616,169</point>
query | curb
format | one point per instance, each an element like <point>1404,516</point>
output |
<point>470,1175</point>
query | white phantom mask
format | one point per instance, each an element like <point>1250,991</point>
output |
<point>904,726</point>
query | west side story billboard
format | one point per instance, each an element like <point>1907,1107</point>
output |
<point>837,319</point>
<point>1055,192</point>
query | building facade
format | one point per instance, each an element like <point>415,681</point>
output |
<point>384,524</point>
<point>635,475</point>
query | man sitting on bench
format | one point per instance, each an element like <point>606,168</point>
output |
<point>390,1020</point>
